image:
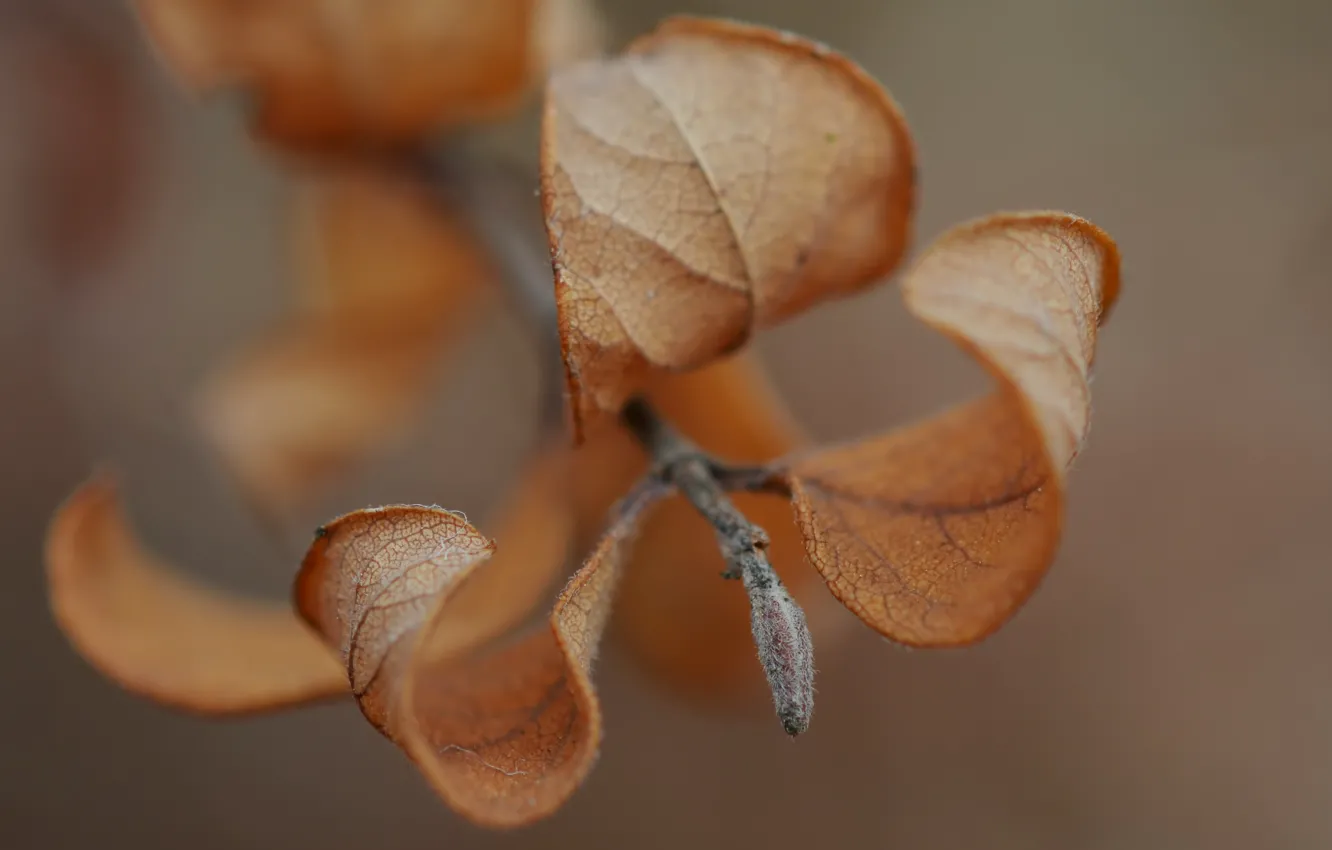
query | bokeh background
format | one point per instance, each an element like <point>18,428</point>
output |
<point>1168,687</point>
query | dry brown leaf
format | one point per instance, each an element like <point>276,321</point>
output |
<point>301,405</point>
<point>714,179</point>
<point>936,534</point>
<point>367,72</point>
<point>535,531</point>
<point>376,250</point>
<point>390,279</point>
<point>161,635</point>
<point>167,638</point>
<point>504,735</point>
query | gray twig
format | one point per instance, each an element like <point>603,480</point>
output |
<point>785,648</point>
<point>498,202</point>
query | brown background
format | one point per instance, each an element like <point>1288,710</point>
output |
<point>1169,686</point>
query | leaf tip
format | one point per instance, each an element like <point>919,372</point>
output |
<point>98,496</point>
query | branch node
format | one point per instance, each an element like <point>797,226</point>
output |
<point>781,635</point>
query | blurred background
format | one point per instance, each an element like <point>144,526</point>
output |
<point>1169,685</point>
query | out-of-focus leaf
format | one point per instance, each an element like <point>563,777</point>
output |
<point>364,72</point>
<point>390,280</point>
<point>714,179</point>
<point>935,534</point>
<point>157,633</point>
<point>376,251</point>
<point>566,31</point>
<point>299,407</point>
<point>534,529</point>
<point>504,734</point>
<point>165,637</point>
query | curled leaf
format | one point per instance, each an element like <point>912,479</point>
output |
<point>371,578</point>
<point>376,250</point>
<point>935,534</point>
<point>506,732</point>
<point>674,233</point>
<point>157,634</point>
<point>390,279</point>
<point>300,405</point>
<point>535,530</point>
<point>332,72</point>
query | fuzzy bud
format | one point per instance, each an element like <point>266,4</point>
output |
<point>785,648</point>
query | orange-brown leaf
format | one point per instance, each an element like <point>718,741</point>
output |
<point>302,404</point>
<point>506,732</point>
<point>714,179</point>
<point>510,735</point>
<point>935,534</point>
<point>160,635</point>
<point>376,250</point>
<point>534,528</point>
<point>390,279</point>
<point>367,72</point>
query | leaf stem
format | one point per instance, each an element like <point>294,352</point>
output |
<point>678,461</point>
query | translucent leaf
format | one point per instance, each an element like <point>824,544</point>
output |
<point>935,534</point>
<point>147,626</point>
<point>506,732</point>
<point>160,635</point>
<point>714,179</point>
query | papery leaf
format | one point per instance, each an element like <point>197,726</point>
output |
<point>298,407</point>
<point>714,179</point>
<point>371,578</point>
<point>684,623</point>
<point>507,737</point>
<point>535,530</point>
<point>160,635</point>
<point>377,250</point>
<point>504,733</point>
<point>390,279</point>
<point>935,534</point>
<point>364,72</point>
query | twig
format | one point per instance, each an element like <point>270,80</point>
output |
<point>785,648</point>
<point>679,462</point>
<point>498,201</point>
